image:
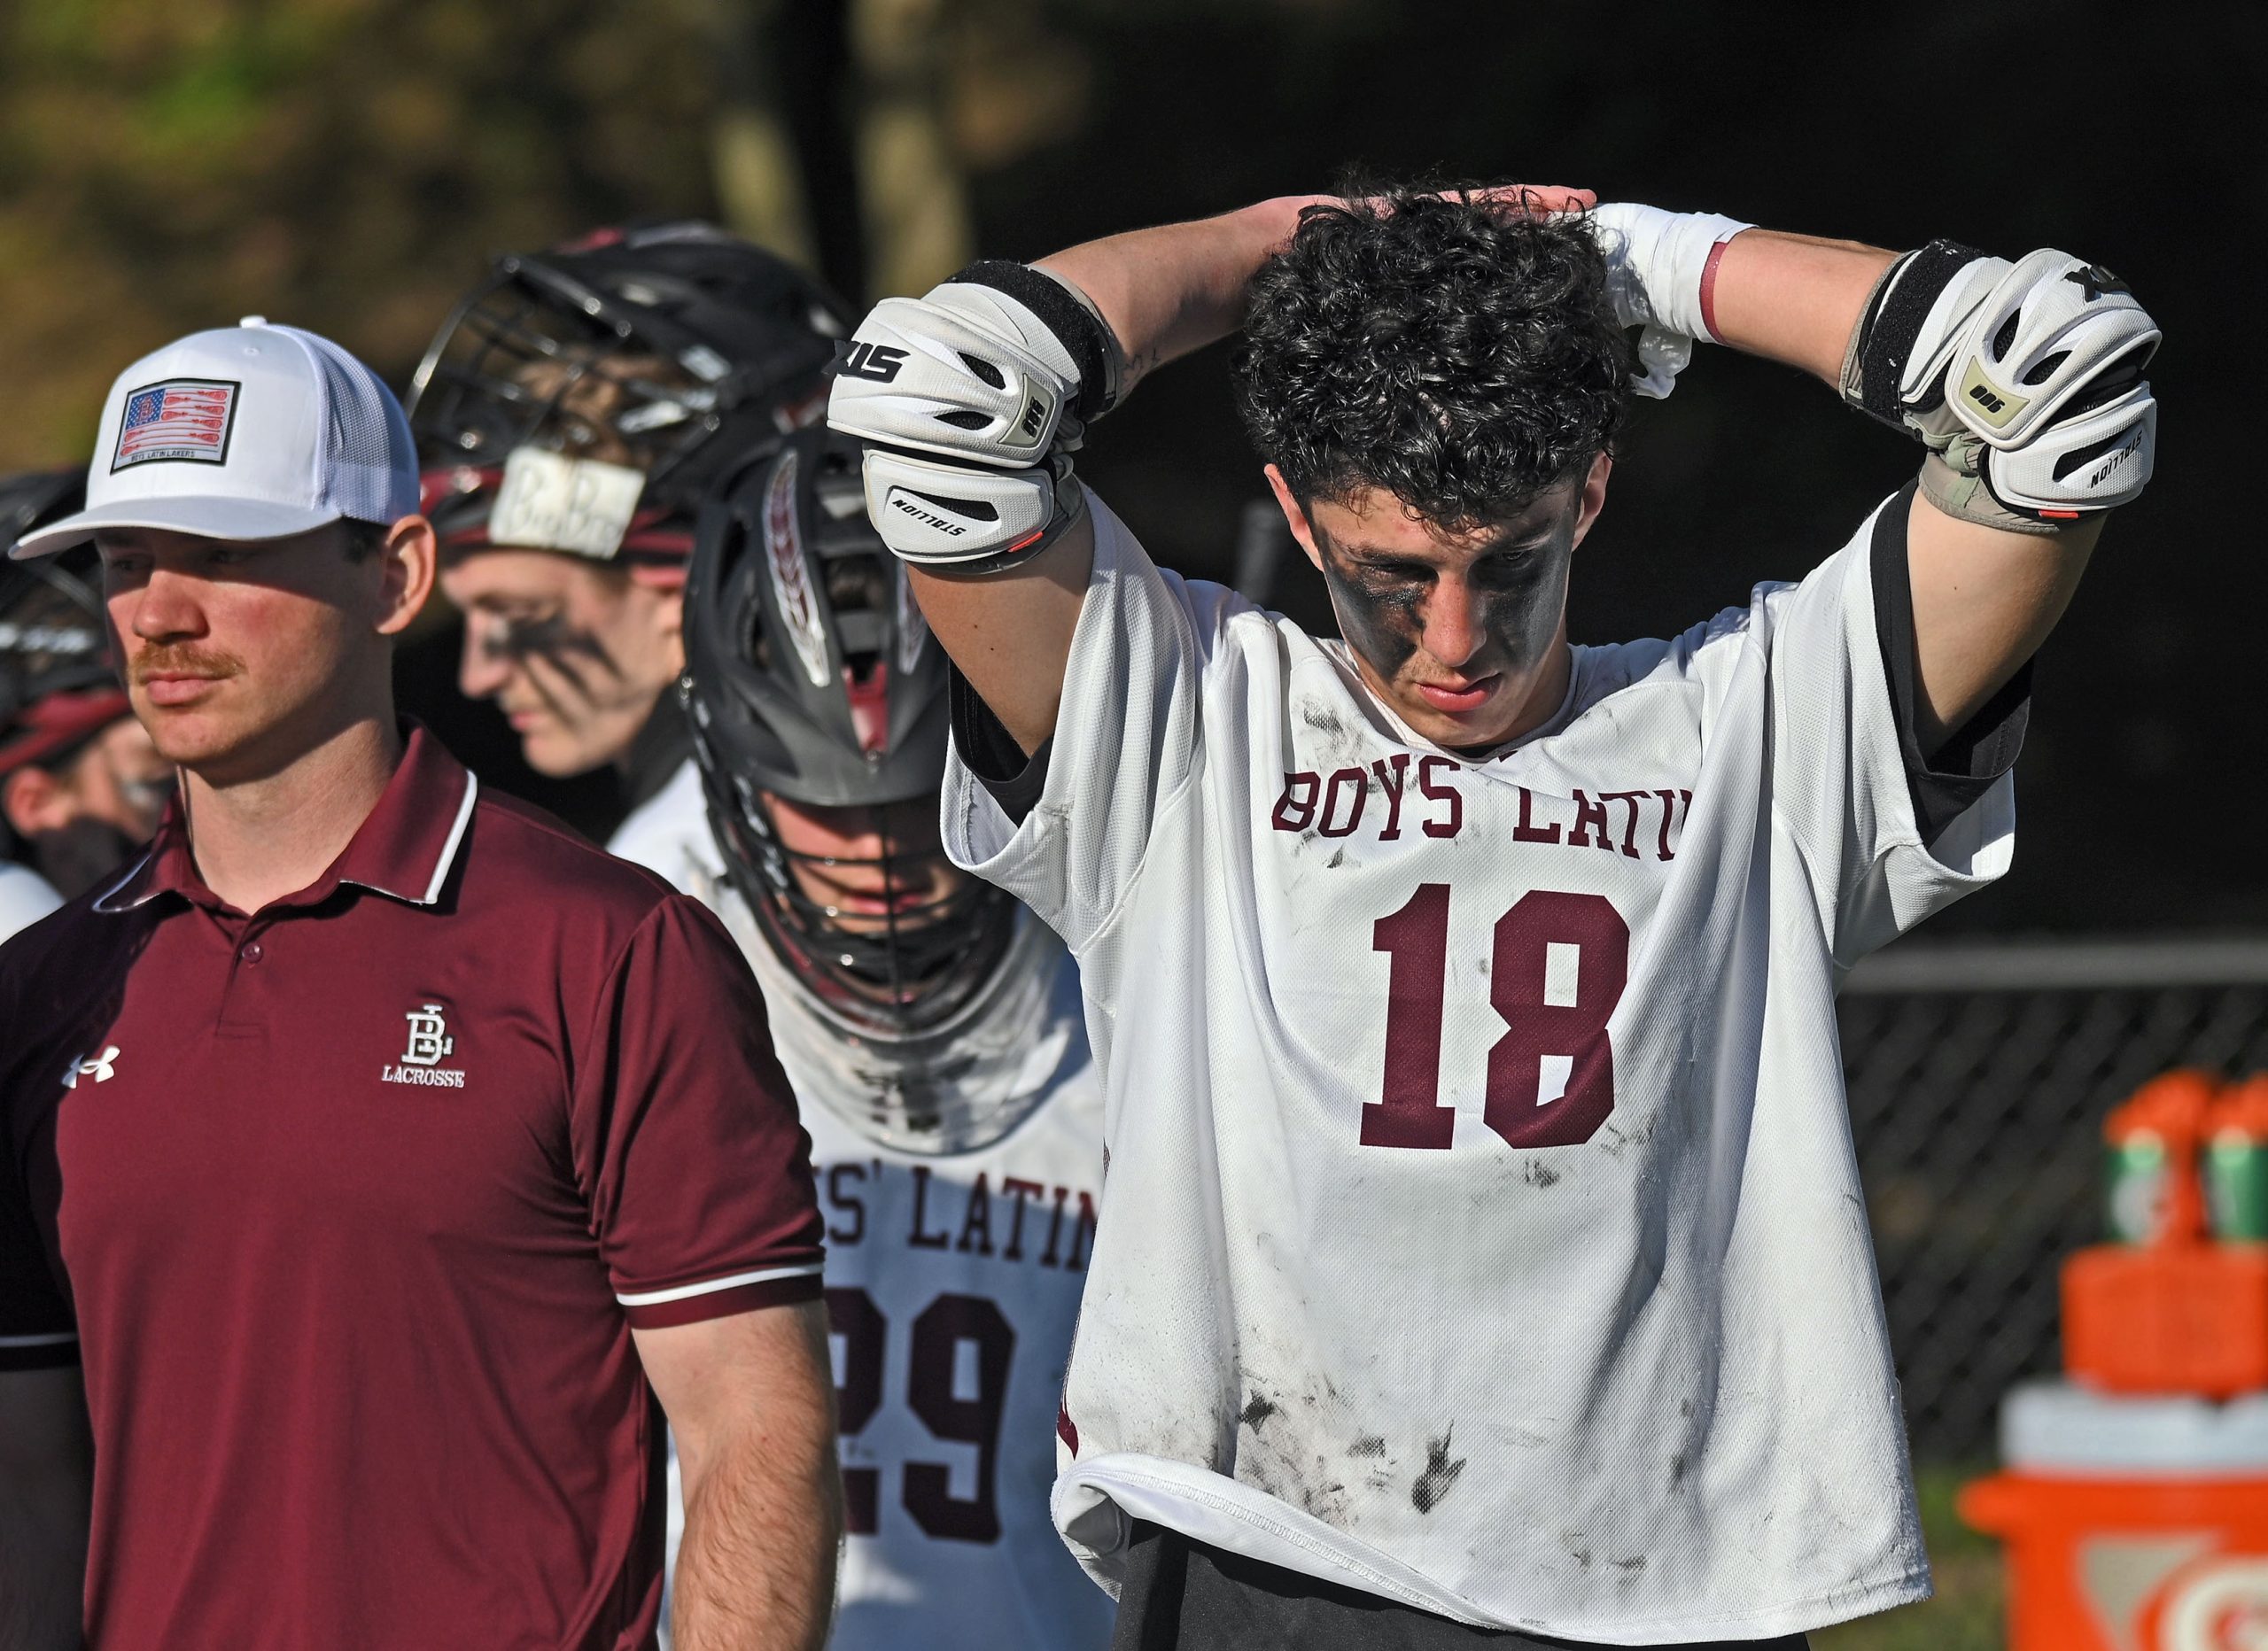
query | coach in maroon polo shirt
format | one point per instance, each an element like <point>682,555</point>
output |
<point>380,1150</point>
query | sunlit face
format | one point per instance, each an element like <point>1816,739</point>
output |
<point>1463,635</point>
<point>576,654</point>
<point>838,860</point>
<point>241,655</point>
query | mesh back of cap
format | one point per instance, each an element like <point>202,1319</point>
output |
<point>370,461</point>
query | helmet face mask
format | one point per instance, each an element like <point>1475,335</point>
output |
<point>899,970</point>
<point>814,689</point>
<point>509,373</point>
<point>673,351</point>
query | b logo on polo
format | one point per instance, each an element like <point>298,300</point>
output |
<point>430,1044</point>
<point>102,1068</point>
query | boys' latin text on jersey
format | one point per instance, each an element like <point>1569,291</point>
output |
<point>1017,1219</point>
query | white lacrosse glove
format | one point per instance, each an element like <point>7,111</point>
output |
<point>1655,264</point>
<point>2025,381</point>
<point>969,401</point>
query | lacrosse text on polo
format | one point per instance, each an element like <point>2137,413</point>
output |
<point>348,1206</point>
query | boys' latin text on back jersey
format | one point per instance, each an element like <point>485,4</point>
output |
<point>952,1286</point>
<point>953,1281</point>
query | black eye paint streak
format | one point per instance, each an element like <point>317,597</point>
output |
<point>548,641</point>
<point>1522,594</point>
<point>1383,629</point>
<point>548,638</point>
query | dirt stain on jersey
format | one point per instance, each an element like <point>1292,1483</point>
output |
<point>1541,1175</point>
<point>1290,1444</point>
<point>1336,744</point>
<point>1614,1137</point>
<point>1440,1477</point>
<point>1324,1499</point>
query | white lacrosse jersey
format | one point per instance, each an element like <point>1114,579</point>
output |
<point>952,1284</point>
<point>1485,1232</point>
<point>668,833</point>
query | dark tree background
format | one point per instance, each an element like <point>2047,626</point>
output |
<point>347,163</point>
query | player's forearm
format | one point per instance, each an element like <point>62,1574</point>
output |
<point>1793,298</point>
<point>756,1571</point>
<point>1175,289</point>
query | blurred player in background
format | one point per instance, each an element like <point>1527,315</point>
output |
<point>571,413</point>
<point>931,1028</point>
<point>81,784</point>
<point>1487,1257</point>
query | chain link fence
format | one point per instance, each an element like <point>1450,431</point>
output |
<point>1979,1077</point>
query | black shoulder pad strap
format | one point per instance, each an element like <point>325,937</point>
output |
<point>1893,321</point>
<point>1065,317</point>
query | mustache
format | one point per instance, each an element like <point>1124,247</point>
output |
<point>183,659</point>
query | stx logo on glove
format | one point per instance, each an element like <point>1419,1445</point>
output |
<point>856,359</point>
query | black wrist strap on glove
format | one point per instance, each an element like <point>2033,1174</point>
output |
<point>1875,365</point>
<point>1081,332</point>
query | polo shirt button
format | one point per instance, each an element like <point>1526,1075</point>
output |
<point>250,952</point>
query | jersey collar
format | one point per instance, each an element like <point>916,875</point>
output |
<point>405,849</point>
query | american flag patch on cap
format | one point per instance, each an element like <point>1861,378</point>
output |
<point>184,419</point>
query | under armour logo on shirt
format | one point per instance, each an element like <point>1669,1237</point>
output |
<point>101,1068</point>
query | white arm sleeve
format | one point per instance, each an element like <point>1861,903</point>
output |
<point>1839,780</point>
<point>1127,740</point>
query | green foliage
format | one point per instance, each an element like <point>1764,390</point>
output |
<point>344,165</point>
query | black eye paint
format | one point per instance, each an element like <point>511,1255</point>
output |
<point>546,636</point>
<point>1521,595</point>
<point>559,661</point>
<point>1384,625</point>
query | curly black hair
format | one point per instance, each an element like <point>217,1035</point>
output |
<point>1450,349</point>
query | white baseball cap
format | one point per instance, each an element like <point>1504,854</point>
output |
<point>249,432</point>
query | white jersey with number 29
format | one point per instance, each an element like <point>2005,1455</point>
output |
<point>953,1282</point>
<point>951,1286</point>
<point>1485,1228</point>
